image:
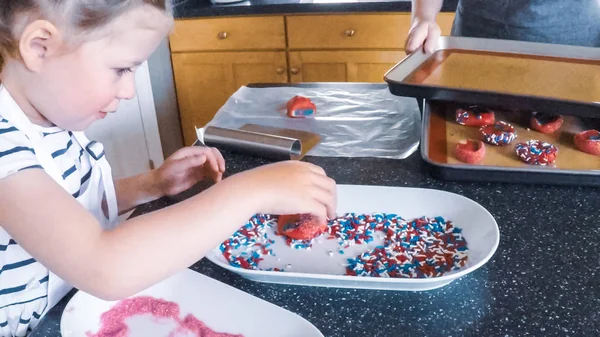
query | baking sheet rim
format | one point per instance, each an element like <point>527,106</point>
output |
<point>511,47</point>
<point>416,59</point>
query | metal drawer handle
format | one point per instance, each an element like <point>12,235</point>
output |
<point>222,35</point>
<point>350,32</point>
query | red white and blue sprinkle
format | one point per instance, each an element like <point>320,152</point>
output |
<point>246,247</point>
<point>419,248</point>
<point>425,247</point>
<point>299,244</point>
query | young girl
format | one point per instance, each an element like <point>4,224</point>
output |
<point>66,64</point>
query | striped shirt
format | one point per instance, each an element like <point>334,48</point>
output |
<point>23,280</point>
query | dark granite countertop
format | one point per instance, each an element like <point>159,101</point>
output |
<point>204,8</point>
<point>542,280</point>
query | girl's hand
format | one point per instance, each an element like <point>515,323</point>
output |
<point>289,187</point>
<point>188,166</point>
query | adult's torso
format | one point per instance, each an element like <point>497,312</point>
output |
<point>572,22</point>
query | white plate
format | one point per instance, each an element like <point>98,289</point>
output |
<point>219,306</point>
<point>316,268</point>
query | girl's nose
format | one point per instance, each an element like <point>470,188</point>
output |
<point>127,89</point>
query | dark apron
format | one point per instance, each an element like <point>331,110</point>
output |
<point>569,22</point>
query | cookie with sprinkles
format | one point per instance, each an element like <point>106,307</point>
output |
<point>536,152</point>
<point>588,142</point>
<point>500,133</point>
<point>475,115</point>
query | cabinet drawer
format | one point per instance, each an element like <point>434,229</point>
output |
<point>250,33</point>
<point>385,31</point>
<point>361,31</point>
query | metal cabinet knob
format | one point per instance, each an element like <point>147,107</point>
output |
<point>280,70</point>
<point>222,35</point>
<point>350,32</point>
<point>295,71</point>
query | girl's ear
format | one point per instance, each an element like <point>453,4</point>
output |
<point>39,40</point>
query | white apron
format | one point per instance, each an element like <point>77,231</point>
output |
<point>100,184</point>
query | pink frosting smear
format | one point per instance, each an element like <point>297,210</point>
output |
<point>112,322</point>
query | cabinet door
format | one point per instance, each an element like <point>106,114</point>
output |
<point>342,66</point>
<point>204,81</point>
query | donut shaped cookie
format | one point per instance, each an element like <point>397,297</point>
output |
<point>300,226</point>
<point>500,133</point>
<point>470,151</point>
<point>475,115</point>
<point>536,152</point>
<point>546,123</point>
<point>588,142</point>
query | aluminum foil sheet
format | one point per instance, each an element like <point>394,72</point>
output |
<point>352,120</point>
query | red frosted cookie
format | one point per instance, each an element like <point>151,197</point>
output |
<point>300,226</point>
<point>588,142</point>
<point>500,133</point>
<point>536,152</point>
<point>475,115</point>
<point>470,151</point>
<point>300,106</point>
<point>546,123</point>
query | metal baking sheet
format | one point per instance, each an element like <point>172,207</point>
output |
<point>440,135</point>
<point>353,119</point>
<point>514,74</point>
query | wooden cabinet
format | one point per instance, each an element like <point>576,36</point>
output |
<point>213,57</point>
<point>204,81</point>
<point>348,47</point>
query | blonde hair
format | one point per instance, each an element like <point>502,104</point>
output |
<point>78,17</point>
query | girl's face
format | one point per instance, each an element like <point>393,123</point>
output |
<point>74,89</point>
